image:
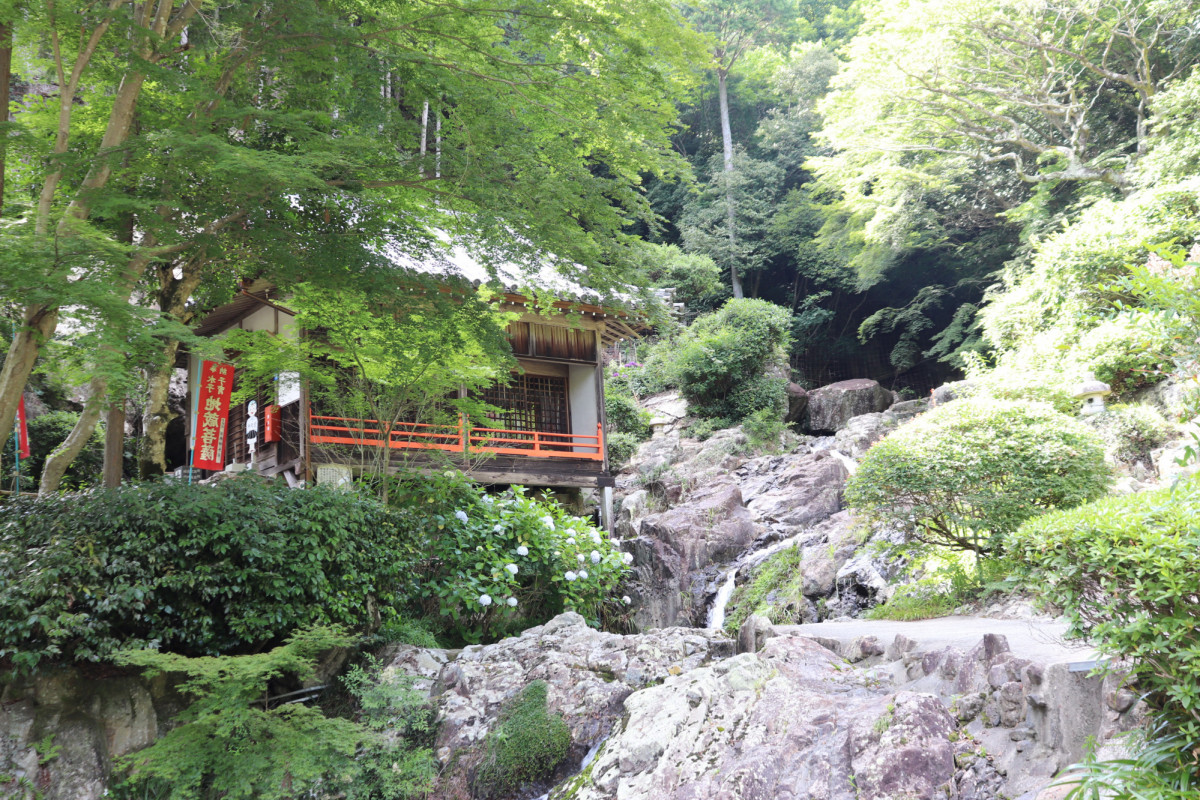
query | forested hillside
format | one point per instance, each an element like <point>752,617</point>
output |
<point>891,168</point>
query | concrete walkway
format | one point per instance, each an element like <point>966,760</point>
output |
<point>1035,639</point>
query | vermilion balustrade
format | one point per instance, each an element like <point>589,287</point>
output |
<point>456,438</point>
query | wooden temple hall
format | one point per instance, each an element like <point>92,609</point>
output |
<point>549,433</point>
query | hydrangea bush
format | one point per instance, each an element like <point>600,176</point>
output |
<point>496,563</point>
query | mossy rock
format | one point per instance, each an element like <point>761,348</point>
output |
<point>527,744</point>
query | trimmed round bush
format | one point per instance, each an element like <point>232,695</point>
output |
<point>197,570</point>
<point>723,360</point>
<point>1123,569</point>
<point>968,473</point>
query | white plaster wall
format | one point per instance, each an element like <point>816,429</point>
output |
<point>581,387</point>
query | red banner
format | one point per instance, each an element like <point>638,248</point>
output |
<point>22,430</point>
<point>212,415</point>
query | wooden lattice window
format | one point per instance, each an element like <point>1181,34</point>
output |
<point>531,403</point>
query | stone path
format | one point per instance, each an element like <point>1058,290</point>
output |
<point>1035,639</point>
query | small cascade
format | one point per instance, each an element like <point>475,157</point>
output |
<point>849,463</point>
<point>716,614</point>
<point>588,758</point>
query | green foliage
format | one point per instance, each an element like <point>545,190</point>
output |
<point>230,744</point>
<point>701,429</point>
<point>621,448</point>
<point>497,564</point>
<point>764,428</point>
<point>1123,569</point>
<point>46,433</point>
<point>968,473</point>
<point>195,569</point>
<point>628,424</point>
<point>948,580</point>
<point>396,762</point>
<point>695,277</point>
<point>912,603</point>
<point>1168,285</point>
<point>1130,432</point>
<point>773,589</point>
<point>724,357</point>
<point>527,744</point>
<point>1162,766</point>
<point>1126,353</point>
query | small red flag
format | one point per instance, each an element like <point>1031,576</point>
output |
<point>22,430</point>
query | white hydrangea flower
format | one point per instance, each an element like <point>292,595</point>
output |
<point>498,528</point>
<point>596,537</point>
<point>548,521</point>
<point>487,498</point>
<point>462,515</point>
<point>583,574</point>
<point>595,556</point>
<point>522,550</point>
<point>580,558</point>
<point>570,540</point>
<point>511,602</point>
<point>570,575</point>
<point>626,600</point>
<point>485,600</point>
<point>627,558</point>
<point>511,568</point>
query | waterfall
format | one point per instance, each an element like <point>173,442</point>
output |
<point>716,614</point>
<point>588,758</point>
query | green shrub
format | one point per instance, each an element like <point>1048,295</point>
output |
<point>496,564</point>
<point>764,428</point>
<point>230,745</point>
<point>196,569</point>
<point>46,433</point>
<point>621,448</point>
<point>628,424</point>
<point>701,429</point>
<point>1124,571</point>
<point>1130,432</point>
<point>968,473</point>
<point>724,357</point>
<point>526,745</point>
<point>1126,353</point>
<point>773,589</point>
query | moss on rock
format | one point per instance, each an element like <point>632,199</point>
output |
<point>527,744</point>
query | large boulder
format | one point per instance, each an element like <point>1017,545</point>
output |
<point>795,489</point>
<point>589,675</point>
<point>676,551</point>
<point>831,407</point>
<point>789,721</point>
<point>797,403</point>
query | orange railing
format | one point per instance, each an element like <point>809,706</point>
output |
<point>456,438</point>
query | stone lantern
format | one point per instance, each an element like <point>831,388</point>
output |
<point>1092,393</point>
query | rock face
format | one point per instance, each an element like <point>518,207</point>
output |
<point>718,505</point>
<point>589,673</point>
<point>797,403</point>
<point>788,721</point>
<point>89,722</point>
<point>831,407</point>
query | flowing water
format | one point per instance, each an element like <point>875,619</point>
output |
<point>588,758</point>
<point>716,613</point>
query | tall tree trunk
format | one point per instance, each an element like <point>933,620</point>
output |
<point>37,324</point>
<point>152,455</point>
<point>114,446</point>
<point>58,461</point>
<point>173,296</point>
<point>5,79</point>
<point>62,456</point>
<point>727,149</point>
